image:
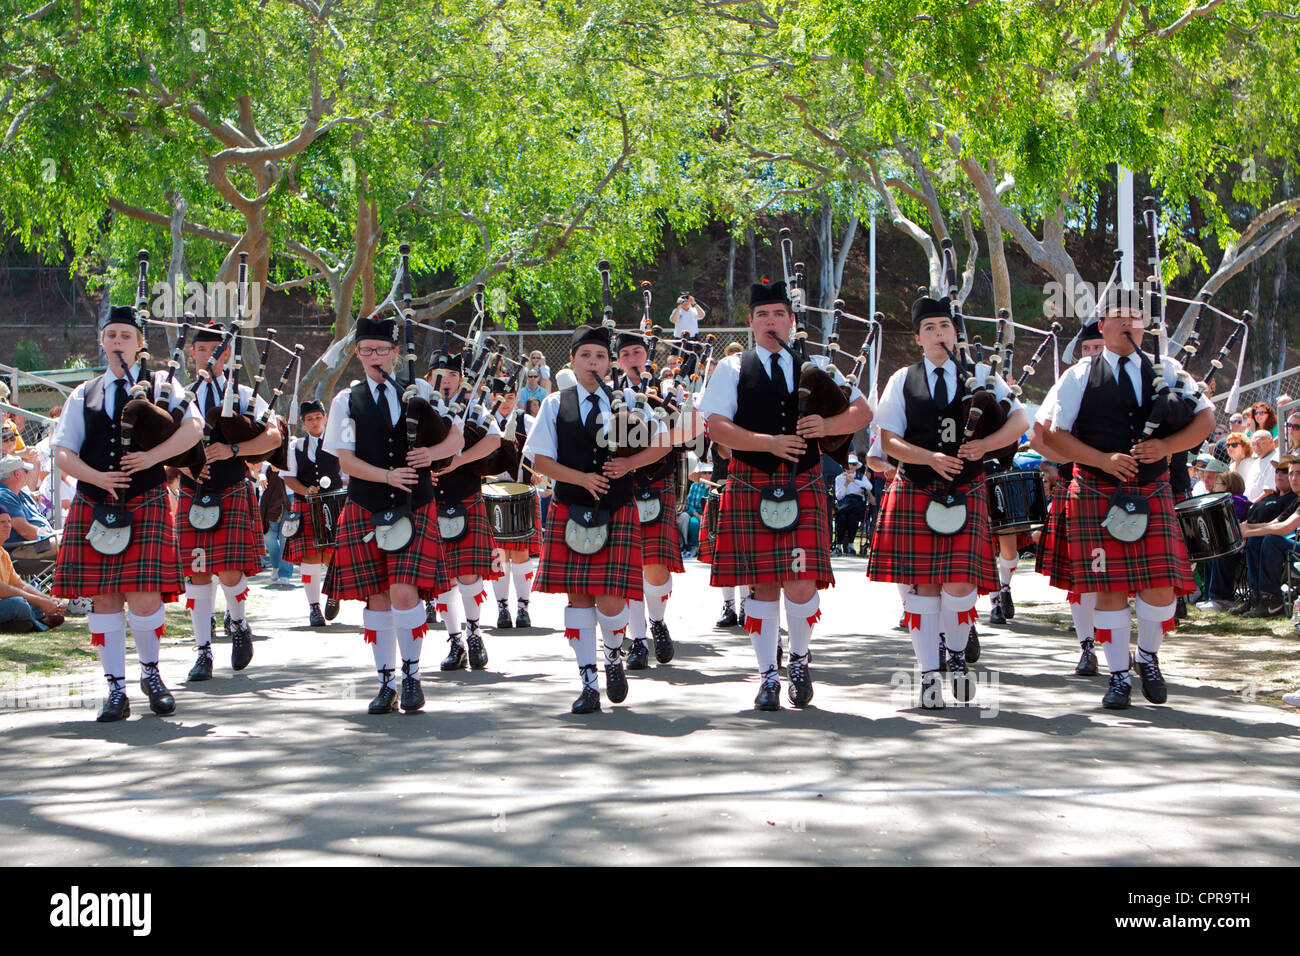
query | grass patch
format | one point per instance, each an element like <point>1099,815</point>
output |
<point>67,648</point>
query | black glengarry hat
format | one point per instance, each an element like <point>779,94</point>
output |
<point>589,335</point>
<point>121,315</point>
<point>768,293</point>
<point>309,406</point>
<point>212,332</point>
<point>928,308</point>
<point>373,327</point>
<point>630,337</point>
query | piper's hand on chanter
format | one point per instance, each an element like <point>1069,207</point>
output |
<point>138,461</point>
<point>1122,466</point>
<point>616,468</point>
<point>811,426</point>
<point>112,480</point>
<point>595,483</point>
<point>1151,450</point>
<point>420,457</point>
<point>404,478</point>
<point>975,450</point>
<point>789,447</point>
<point>946,466</point>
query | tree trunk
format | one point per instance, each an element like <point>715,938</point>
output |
<point>731,279</point>
<point>751,250</point>
<point>175,277</point>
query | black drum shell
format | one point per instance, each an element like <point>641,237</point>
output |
<point>1017,501</point>
<point>1210,526</point>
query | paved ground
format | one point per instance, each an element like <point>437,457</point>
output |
<point>281,765</point>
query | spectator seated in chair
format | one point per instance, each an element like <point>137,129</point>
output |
<point>1267,546</point>
<point>31,535</point>
<point>23,607</point>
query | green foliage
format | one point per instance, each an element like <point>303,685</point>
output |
<point>28,355</point>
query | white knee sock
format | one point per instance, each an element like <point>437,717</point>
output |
<point>471,596</point>
<point>580,630</point>
<point>410,626</point>
<point>636,620</point>
<point>763,622</point>
<point>957,614</point>
<point>108,637</point>
<point>923,626</point>
<point>501,585</point>
<point>1113,631</point>
<point>1006,568</point>
<point>523,572</point>
<point>613,628</point>
<point>1082,609</point>
<point>236,594</point>
<point>383,640</point>
<point>147,632</point>
<point>198,598</point>
<point>799,621</point>
<point>655,596</point>
<point>313,576</point>
<point>1153,621</point>
<point>729,595</point>
<point>449,608</point>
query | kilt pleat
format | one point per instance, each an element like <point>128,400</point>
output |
<point>304,542</point>
<point>151,564</point>
<point>906,551</point>
<point>1100,563</point>
<point>746,552</point>
<point>659,542</point>
<point>1053,557</point>
<point>472,554</point>
<point>360,570</point>
<point>615,569</point>
<point>235,544</point>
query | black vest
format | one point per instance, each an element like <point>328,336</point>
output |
<point>1110,422</point>
<point>927,424</point>
<point>100,448</point>
<point>231,471</point>
<point>761,408</point>
<point>578,449</point>
<point>310,472</point>
<point>455,486</point>
<point>383,445</point>
<point>1179,480</point>
<point>721,468</point>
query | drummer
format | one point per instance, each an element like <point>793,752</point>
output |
<point>1053,557</point>
<point>469,548</point>
<point>312,470</point>
<point>656,496</point>
<point>514,560</point>
<point>921,419</point>
<point>1098,410</point>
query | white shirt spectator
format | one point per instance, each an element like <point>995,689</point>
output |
<point>844,486</point>
<point>1262,477</point>
<point>687,319</point>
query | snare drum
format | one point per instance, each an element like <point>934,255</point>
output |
<point>711,507</point>
<point>1210,526</point>
<point>326,511</point>
<point>511,511</point>
<point>1017,501</point>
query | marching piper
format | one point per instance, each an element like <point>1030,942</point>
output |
<point>466,536</point>
<point>219,524</point>
<point>311,470</point>
<point>773,526</point>
<point>119,542</point>
<point>656,498</point>
<point>592,549</point>
<point>389,553</point>
<point>1124,536</point>
<point>933,531</point>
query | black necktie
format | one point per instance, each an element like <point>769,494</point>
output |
<point>778,374</point>
<point>940,388</point>
<point>119,399</point>
<point>589,423</point>
<point>381,399</point>
<point>1126,383</point>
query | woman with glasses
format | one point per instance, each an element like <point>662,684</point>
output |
<point>1241,460</point>
<point>1263,417</point>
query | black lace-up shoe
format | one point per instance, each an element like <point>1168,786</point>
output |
<point>521,615</point>
<point>503,616</point>
<point>615,680</point>
<point>1153,682</point>
<point>972,645</point>
<point>478,658</point>
<point>241,645</point>
<point>456,659</point>
<point>963,685</point>
<point>728,618</point>
<point>995,613</point>
<point>800,690</point>
<point>202,669</point>
<point>116,705</point>
<point>430,612</point>
<point>315,618</point>
<point>385,701</point>
<point>412,692</point>
<point>769,692</point>
<point>331,608</point>
<point>664,649</point>
<point>588,701</point>
<point>1087,666</point>
<point>1008,605</point>
<point>931,691</point>
<point>638,658</point>
<point>1121,689</point>
<point>161,701</point>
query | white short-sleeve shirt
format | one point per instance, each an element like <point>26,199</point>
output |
<point>891,412</point>
<point>721,396</point>
<point>70,431</point>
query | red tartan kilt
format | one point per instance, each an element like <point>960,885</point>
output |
<point>304,542</point>
<point>151,564</point>
<point>472,554</point>
<point>1053,557</point>
<point>615,569</point>
<point>906,551</point>
<point>659,542</point>
<point>1158,560</point>
<point>360,570</point>
<point>746,552</point>
<point>235,544</point>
